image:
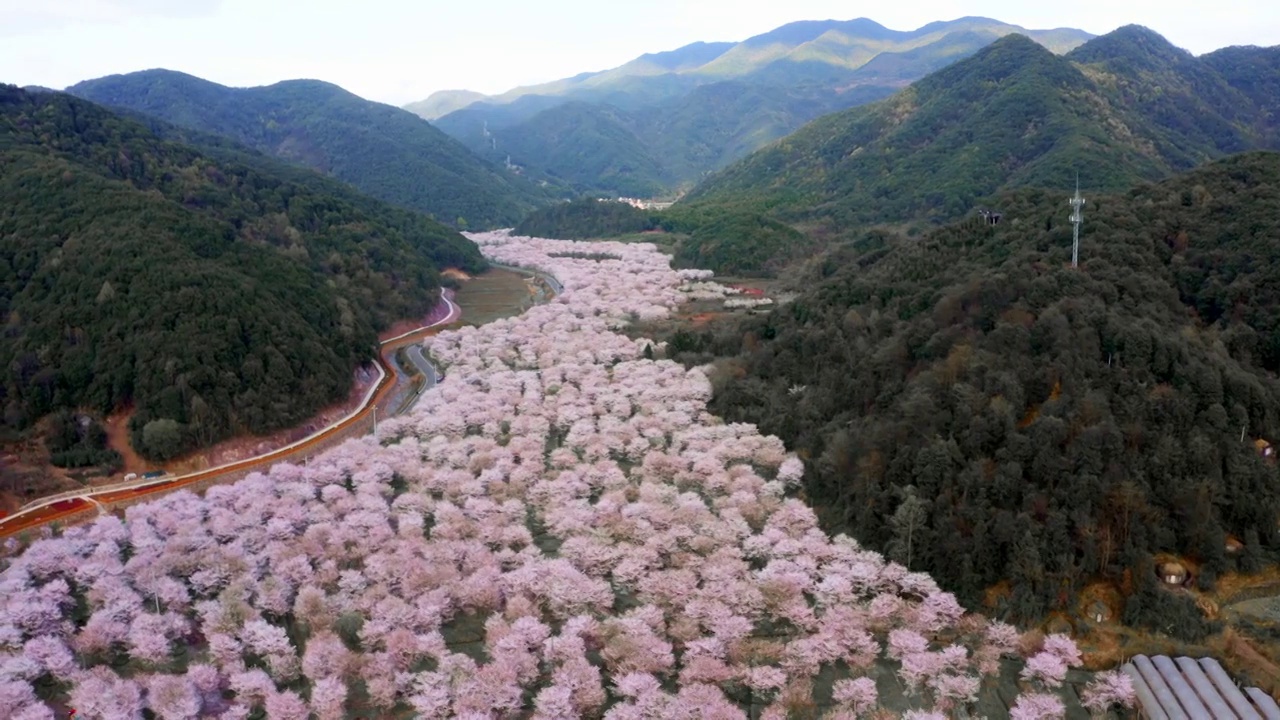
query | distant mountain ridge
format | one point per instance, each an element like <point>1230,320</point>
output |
<point>849,43</point>
<point>758,90</point>
<point>1122,108</point>
<point>384,151</point>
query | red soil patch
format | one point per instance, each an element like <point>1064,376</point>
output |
<point>701,319</point>
<point>117,426</point>
<point>454,273</point>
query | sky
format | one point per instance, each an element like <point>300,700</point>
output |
<point>398,51</point>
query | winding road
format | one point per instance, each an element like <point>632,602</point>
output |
<point>58,507</point>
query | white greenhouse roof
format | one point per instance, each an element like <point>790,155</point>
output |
<point>1170,689</point>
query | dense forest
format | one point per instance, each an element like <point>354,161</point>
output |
<point>732,243</point>
<point>978,409</point>
<point>214,297</point>
<point>591,148</point>
<point>384,151</point>
<point>587,218</point>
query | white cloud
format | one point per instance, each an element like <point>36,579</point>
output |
<point>24,16</point>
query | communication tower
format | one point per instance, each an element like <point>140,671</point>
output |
<point>1077,217</point>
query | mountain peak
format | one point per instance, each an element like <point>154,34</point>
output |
<point>1015,40</point>
<point>150,75</point>
<point>311,85</point>
<point>389,153</point>
<point>1013,55</point>
<point>1134,43</point>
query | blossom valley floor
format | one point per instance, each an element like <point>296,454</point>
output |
<point>558,530</point>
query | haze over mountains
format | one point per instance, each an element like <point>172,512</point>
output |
<point>663,120</point>
<point>385,152</point>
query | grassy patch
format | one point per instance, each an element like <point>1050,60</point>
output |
<point>493,295</point>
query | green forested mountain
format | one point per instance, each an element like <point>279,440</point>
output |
<point>1120,109</point>
<point>700,107</point>
<point>1255,72</point>
<point>1021,420</point>
<point>604,149</point>
<point>214,293</point>
<point>1124,107</point>
<point>591,147</point>
<point>385,152</point>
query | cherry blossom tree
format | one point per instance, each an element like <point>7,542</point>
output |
<point>1037,706</point>
<point>1108,690</point>
<point>857,695</point>
<point>564,491</point>
<point>172,697</point>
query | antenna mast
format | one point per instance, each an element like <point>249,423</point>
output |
<point>1077,217</point>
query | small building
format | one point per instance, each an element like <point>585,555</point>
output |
<point>1099,611</point>
<point>1173,573</point>
<point>1233,545</point>
<point>990,217</point>
<point>1265,449</point>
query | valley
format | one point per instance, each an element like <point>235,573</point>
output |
<point>769,378</point>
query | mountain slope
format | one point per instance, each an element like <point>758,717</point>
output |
<point>1194,100</point>
<point>785,77</point>
<point>1121,108</point>
<point>384,151</point>
<point>214,293</point>
<point>1254,72</point>
<point>1056,425</point>
<point>591,147</point>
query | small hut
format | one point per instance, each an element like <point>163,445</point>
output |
<point>991,217</point>
<point>1233,545</point>
<point>1265,449</point>
<point>1099,611</point>
<point>1173,573</point>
